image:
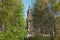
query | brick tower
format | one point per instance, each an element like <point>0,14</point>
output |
<point>29,22</point>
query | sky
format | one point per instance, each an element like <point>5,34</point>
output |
<point>26,3</point>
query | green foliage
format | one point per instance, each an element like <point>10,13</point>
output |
<point>2,36</point>
<point>15,33</point>
<point>58,28</point>
<point>56,7</point>
<point>42,16</point>
<point>43,20</point>
<point>13,19</point>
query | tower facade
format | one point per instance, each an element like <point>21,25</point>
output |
<point>29,22</point>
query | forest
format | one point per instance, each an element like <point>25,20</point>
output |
<point>45,20</point>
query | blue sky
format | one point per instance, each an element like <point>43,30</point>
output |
<point>26,5</point>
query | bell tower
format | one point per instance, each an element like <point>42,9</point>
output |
<point>29,22</point>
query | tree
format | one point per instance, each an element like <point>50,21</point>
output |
<point>13,20</point>
<point>43,18</point>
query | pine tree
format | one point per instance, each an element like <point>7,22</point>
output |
<point>13,20</point>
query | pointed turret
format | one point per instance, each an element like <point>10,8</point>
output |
<point>29,22</point>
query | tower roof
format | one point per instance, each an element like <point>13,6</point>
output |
<point>29,8</point>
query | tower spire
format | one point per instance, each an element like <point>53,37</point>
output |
<point>29,7</point>
<point>30,4</point>
<point>29,22</point>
